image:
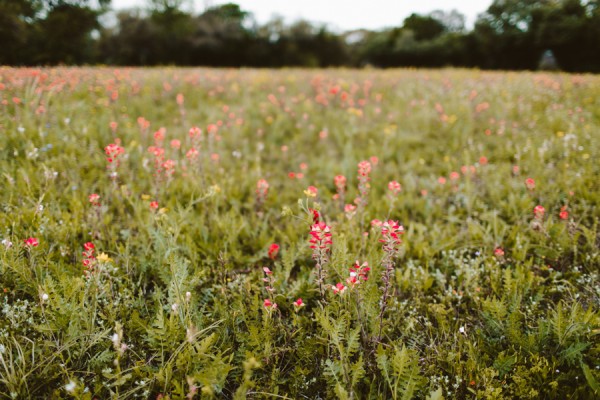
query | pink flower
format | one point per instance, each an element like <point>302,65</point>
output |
<point>175,144</point>
<point>31,242</point>
<point>267,271</point>
<point>320,237</point>
<point>394,187</point>
<point>349,208</point>
<point>530,183</point>
<point>441,180</point>
<point>195,132</point>
<point>339,288</point>
<point>269,304</point>
<point>191,153</point>
<point>539,211</point>
<point>498,252</point>
<point>311,191</point>
<point>94,199</point>
<point>113,151</point>
<point>376,222</point>
<point>391,232</point>
<point>483,160</point>
<point>154,205</point>
<point>262,188</point>
<point>298,303</point>
<point>273,250</point>
<point>364,168</point>
<point>454,175</point>
<point>340,182</point>
<point>563,214</point>
<point>358,273</point>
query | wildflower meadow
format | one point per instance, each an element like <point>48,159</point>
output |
<point>198,233</point>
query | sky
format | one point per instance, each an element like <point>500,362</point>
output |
<point>338,14</point>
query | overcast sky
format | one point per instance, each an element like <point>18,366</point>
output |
<point>339,14</point>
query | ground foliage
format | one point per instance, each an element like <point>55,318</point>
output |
<point>139,262</point>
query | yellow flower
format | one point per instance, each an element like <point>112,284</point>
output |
<point>145,197</point>
<point>103,257</point>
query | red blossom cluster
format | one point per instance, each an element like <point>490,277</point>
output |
<point>390,232</point>
<point>273,251</point>
<point>31,242</point>
<point>88,255</point>
<point>320,240</point>
<point>358,273</point>
<point>94,199</point>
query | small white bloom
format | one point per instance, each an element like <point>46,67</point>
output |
<point>45,297</point>
<point>461,329</point>
<point>70,387</point>
<point>115,338</point>
<point>188,296</point>
<point>7,243</point>
<point>67,121</point>
<point>174,307</point>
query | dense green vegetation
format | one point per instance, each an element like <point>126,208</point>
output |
<point>510,35</point>
<point>155,234</point>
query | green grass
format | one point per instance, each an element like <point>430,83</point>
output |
<point>174,305</point>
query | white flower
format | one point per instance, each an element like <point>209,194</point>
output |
<point>188,296</point>
<point>115,338</point>
<point>461,329</point>
<point>45,297</point>
<point>174,307</point>
<point>7,243</point>
<point>70,387</point>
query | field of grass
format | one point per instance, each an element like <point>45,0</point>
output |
<point>204,233</point>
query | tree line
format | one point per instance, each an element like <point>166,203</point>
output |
<point>510,34</point>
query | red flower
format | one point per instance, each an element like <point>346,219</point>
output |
<point>320,237</point>
<point>498,252</point>
<point>298,303</point>
<point>94,199</point>
<point>269,304</point>
<point>315,215</point>
<point>538,211</point>
<point>273,250</point>
<point>31,242</point>
<point>530,183</point>
<point>340,182</point>
<point>311,191</point>
<point>154,205</point>
<point>358,273</point>
<point>394,187</point>
<point>364,168</point>
<point>391,232</point>
<point>262,188</point>
<point>339,288</point>
<point>88,246</point>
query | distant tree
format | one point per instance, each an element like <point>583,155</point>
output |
<point>453,21</point>
<point>16,18</point>
<point>424,27</point>
<point>507,32</point>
